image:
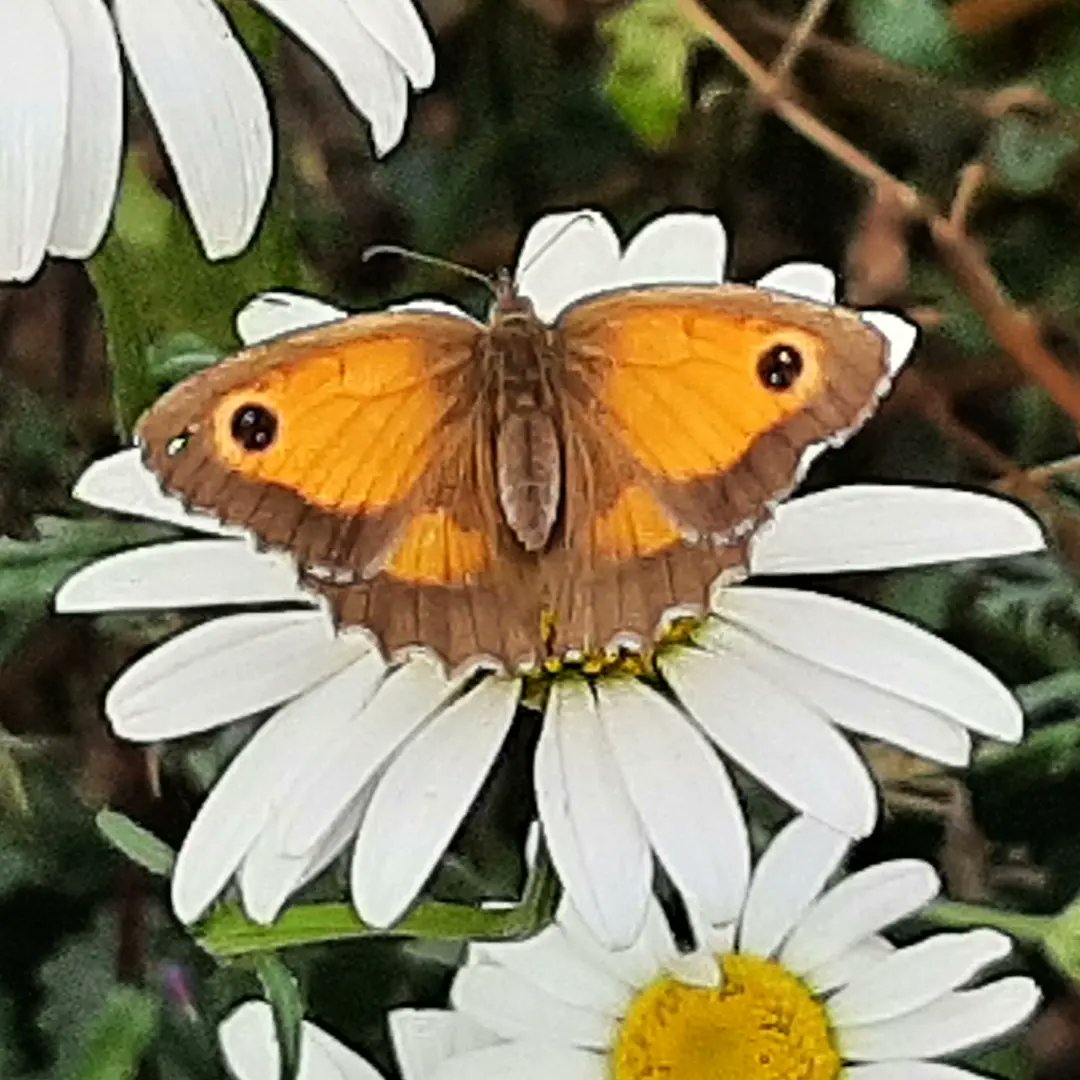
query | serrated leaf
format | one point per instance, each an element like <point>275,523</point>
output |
<point>137,843</point>
<point>283,993</point>
<point>651,47</point>
<point>118,1036</point>
<point>1028,158</point>
<point>916,33</point>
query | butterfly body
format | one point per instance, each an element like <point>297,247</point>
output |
<point>518,487</point>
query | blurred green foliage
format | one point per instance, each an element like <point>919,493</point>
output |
<point>543,105</point>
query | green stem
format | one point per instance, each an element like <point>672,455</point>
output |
<point>1032,929</point>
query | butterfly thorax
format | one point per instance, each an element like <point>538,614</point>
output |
<point>518,354</point>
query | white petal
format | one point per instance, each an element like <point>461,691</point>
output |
<point>682,793</point>
<point>916,976</point>
<point>651,954</point>
<point>954,1022</point>
<point>908,1070</point>
<point>788,877</point>
<point>95,135</point>
<point>807,281</point>
<point>880,649</point>
<point>210,110</point>
<point>839,971</point>
<point>595,836</point>
<point>34,94</point>
<point>425,1038</point>
<point>900,334</point>
<point>858,907</point>
<point>789,747</point>
<point>358,749</point>
<point>272,314</point>
<point>181,574</point>
<point>242,802</point>
<point>123,484</point>
<point>396,25</point>
<point>851,703</point>
<point>566,257</point>
<point>370,77</point>
<point>515,1008</point>
<point>249,1042</point>
<point>230,667</point>
<point>434,305</point>
<point>683,249</point>
<point>423,797</point>
<point>552,961</point>
<point>525,1061</point>
<point>880,527</point>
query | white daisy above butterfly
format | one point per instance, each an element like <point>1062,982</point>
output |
<point>384,759</point>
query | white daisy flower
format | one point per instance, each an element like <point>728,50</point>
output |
<point>249,1044</point>
<point>803,984</point>
<point>388,759</point>
<point>61,108</point>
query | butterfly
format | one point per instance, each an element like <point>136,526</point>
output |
<point>517,489</point>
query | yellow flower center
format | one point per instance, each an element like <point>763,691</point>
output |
<point>760,1023</point>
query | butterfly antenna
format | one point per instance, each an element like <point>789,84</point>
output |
<point>430,260</point>
<point>583,215</point>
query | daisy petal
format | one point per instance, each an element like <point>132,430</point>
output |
<point>596,839</point>
<point>807,281</point>
<point>423,797</point>
<point>396,25</point>
<point>210,110</point>
<point>683,794</point>
<point>95,136</point>
<point>916,976</point>
<point>435,306</point>
<point>858,907</point>
<point>675,249</point>
<point>773,735</point>
<point>951,1023</point>
<point>242,801</point>
<point>909,1070</point>
<point>881,649</point>
<point>850,703</point>
<point>515,1008</point>
<point>839,971</point>
<point>352,755</point>
<point>566,257</point>
<point>425,1038</point>
<point>366,72</point>
<point>882,527</point>
<point>525,1061</point>
<point>273,314</point>
<point>34,96</point>
<point>123,484</point>
<point>231,667</point>
<point>788,877</point>
<point>181,574</point>
<point>900,335</point>
<point>554,963</point>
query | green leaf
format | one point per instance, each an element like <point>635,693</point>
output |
<point>137,843</point>
<point>1028,158</point>
<point>916,33</point>
<point>283,993</point>
<point>119,1036</point>
<point>651,47</point>
<point>1062,941</point>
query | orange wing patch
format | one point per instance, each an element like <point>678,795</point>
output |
<point>683,389</point>
<point>635,526</point>
<point>435,550</point>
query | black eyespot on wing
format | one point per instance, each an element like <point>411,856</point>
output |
<point>254,427</point>
<point>779,367</point>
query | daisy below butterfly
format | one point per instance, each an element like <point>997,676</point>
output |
<point>383,760</point>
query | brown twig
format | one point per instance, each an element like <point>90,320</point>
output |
<point>796,41</point>
<point>1014,329</point>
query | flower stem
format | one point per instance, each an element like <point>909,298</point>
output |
<point>1032,929</point>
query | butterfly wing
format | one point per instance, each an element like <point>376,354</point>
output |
<point>361,448</point>
<point>688,413</point>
